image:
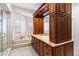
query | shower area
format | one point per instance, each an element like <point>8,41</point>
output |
<point>5,41</point>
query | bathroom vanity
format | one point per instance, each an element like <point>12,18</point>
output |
<point>59,41</point>
<point>44,47</point>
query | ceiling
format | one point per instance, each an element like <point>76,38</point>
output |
<point>26,9</point>
<point>33,6</point>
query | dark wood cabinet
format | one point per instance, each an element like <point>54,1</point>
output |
<point>44,49</point>
<point>41,45</point>
<point>38,46</point>
<point>60,29</point>
<point>60,22</point>
<point>34,43</point>
<point>52,28</point>
<point>68,8</point>
<point>60,8</point>
<point>52,7</point>
<point>69,51</point>
<point>47,50</point>
<point>41,25</point>
<point>59,51</point>
<point>38,25</point>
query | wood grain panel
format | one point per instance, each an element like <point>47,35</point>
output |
<point>60,23</point>
<point>68,8</point>
<point>47,50</point>
<point>52,28</point>
<point>60,28</point>
<point>36,25</point>
<point>41,25</point>
<point>69,50</point>
<point>52,8</point>
<point>38,47</point>
<point>41,45</point>
<point>60,51</point>
<point>60,7</point>
<point>68,26</point>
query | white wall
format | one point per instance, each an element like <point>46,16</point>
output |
<point>19,24</point>
<point>23,25</point>
<point>75,24</point>
<point>29,25</point>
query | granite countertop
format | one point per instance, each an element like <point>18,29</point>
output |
<point>45,39</point>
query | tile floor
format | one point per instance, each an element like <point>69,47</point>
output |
<point>29,51</point>
<point>23,51</point>
<point>76,52</point>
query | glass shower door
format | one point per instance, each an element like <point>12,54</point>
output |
<point>5,35</point>
<point>5,32</point>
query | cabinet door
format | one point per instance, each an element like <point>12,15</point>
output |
<point>38,48</point>
<point>69,51</point>
<point>36,25</point>
<point>35,44</point>
<point>60,28</point>
<point>47,50</point>
<point>63,28</point>
<point>59,51</point>
<point>52,28</point>
<point>68,27</point>
<point>41,48</point>
<point>41,25</point>
<point>32,41</point>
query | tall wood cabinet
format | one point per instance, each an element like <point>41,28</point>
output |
<point>60,22</point>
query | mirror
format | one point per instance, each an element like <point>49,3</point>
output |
<point>46,25</point>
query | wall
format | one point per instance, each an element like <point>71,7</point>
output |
<point>75,24</point>
<point>6,42</point>
<point>23,25</point>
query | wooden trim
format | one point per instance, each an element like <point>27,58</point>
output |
<point>41,10</point>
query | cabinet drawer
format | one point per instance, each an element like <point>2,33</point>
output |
<point>47,50</point>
